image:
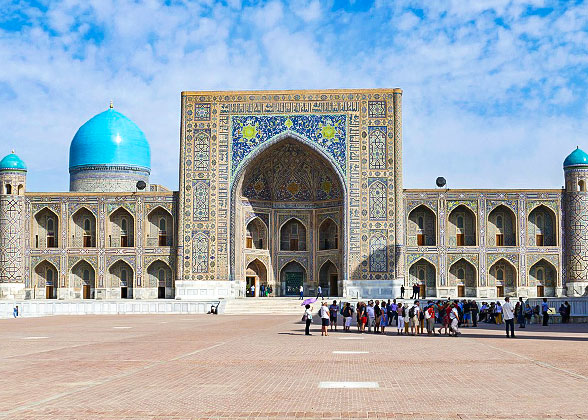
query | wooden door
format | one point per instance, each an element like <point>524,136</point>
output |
<point>333,285</point>
<point>124,241</point>
<point>460,239</point>
<point>540,291</point>
<point>461,290</point>
<point>86,291</point>
<point>293,283</point>
<point>48,292</point>
<point>539,240</point>
<point>249,242</point>
<point>420,239</point>
<point>499,239</point>
<point>123,292</point>
<point>422,291</point>
<point>87,241</point>
<point>293,244</point>
<point>500,291</point>
<point>161,292</point>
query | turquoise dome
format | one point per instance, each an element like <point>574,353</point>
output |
<point>576,158</point>
<point>13,162</point>
<point>109,138</point>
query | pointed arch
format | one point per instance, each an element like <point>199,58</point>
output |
<point>542,226</point>
<point>82,228</point>
<point>160,227</point>
<point>464,275</point>
<point>462,227</point>
<point>121,275</point>
<point>422,226</point>
<point>160,276</point>
<point>328,236</point>
<point>292,276</point>
<point>261,148</point>
<point>256,234</point>
<point>46,228</point>
<point>502,226</point>
<point>423,272</point>
<point>329,278</point>
<point>504,275</point>
<point>543,276</point>
<point>83,279</point>
<point>293,235</point>
<point>121,228</point>
<point>46,279</point>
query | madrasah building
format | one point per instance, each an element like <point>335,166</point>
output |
<point>283,189</point>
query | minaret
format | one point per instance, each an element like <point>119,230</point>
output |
<point>13,174</point>
<point>575,252</point>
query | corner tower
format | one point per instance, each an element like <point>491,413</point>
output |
<point>13,173</point>
<point>109,153</point>
<point>576,223</point>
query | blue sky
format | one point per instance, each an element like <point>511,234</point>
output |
<point>495,92</point>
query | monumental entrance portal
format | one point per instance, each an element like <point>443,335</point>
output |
<point>291,188</point>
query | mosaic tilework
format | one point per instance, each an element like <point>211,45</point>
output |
<point>202,150</point>
<point>327,131</point>
<point>201,200</point>
<point>11,246</point>
<point>201,247</point>
<point>378,251</point>
<point>378,199</point>
<point>377,109</point>
<point>377,155</point>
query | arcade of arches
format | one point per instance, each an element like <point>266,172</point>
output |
<point>289,214</point>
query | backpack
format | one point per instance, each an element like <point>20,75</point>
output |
<point>411,312</point>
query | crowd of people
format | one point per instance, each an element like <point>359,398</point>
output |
<point>436,317</point>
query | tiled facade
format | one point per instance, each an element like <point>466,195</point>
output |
<point>284,189</point>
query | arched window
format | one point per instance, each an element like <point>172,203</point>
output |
<point>499,222</point>
<point>20,190</point>
<point>123,277</point>
<point>50,233</point>
<point>50,226</point>
<point>293,236</point>
<point>8,189</point>
<point>421,222</point>
<point>499,274</point>
<point>49,277</point>
<point>421,274</point>
<point>461,274</point>
<point>582,185</point>
<point>124,237</point>
<point>123,226</point>
<point>86,276</point>
<point>540,274</point>
<point>162,233</point>
<point>87,226</point>
<point>162,225</point>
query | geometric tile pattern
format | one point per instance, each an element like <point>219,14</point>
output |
<point>377,155</point>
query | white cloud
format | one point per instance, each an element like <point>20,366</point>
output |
<point>486,104</point>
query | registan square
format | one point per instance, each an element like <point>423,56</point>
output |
<point>293,209</point>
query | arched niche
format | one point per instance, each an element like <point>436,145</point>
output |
<point>542,227</point>
<point>45,229</point>
<point>464,276</point>
<point>543,277</point>
<point>46,280</point>
<point>83,229</point>
<point>502,225</point>
<point>121,275</point>
<point>83,279</point>
<point>292,276</point>
<point>256,234</point>
<point>160,276</point>
<point>461,229</point>
<point>328,235</point>
<point>256,275</point>
<point>421,229</point>
<point>329,279</point>
<point>121,232</point>
<point>293,236</point>
<point>160,228</point>
<point>423,272</point>
<point>503,276</point>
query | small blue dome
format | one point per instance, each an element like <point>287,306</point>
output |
<point>13,162</point>
<point>576,158</point>
<point>109,138</point>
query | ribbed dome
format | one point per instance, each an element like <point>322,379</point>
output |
<point>109,138</point>
<point>13,162</point>
<point>576,158</point>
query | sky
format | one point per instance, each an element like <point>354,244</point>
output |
<point>495,92</point>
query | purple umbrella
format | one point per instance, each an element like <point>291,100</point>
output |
<point>308,301</point>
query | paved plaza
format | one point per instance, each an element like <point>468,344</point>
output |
<point>205,366</point>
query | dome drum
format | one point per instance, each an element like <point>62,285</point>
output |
<point>107,178</point>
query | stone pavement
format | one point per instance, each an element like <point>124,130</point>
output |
<point>259,366</point>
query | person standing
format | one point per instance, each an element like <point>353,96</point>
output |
<point>333,309</point>
<point>319,292</point>
<point>417,291</point>
<point>347,316</point>
<point>498,313</point>
<point>567,313</point>
<point>474,311</point>
<point>252,290</point>
<point>324,314</point>
<point>430,319</point>
<point>384,317</point>
<point>15,311</point>
<point>307,317</point>
<point>413,317</point>
<point>378,313</point>
<point>508,316</point>
<point>392,312</point>
<point>400,318</point>
<point>521,313</point>
<point>371,315</point>
<point>402,292</point>
<point>545,310</point>
<point>454,318</point>
<point>301,292</point>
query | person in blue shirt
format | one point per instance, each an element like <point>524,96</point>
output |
<point>545,310</point>
<point>15,311</point>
